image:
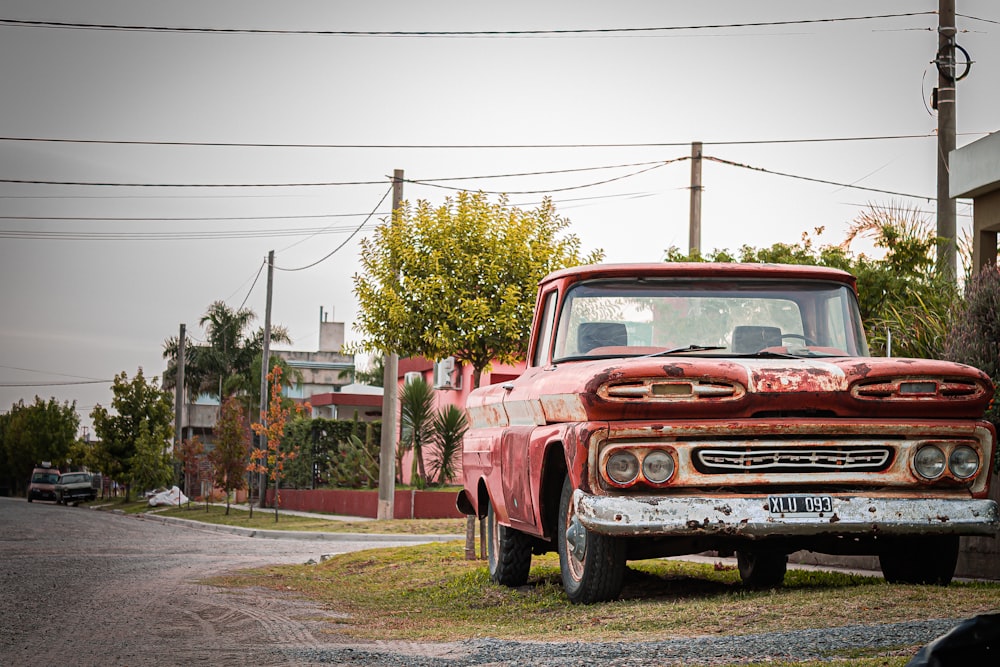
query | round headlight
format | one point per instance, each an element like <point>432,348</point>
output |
<point>929,462</point>
<point>658,466</point>
<point>963,462</point>
<point>622,467</point>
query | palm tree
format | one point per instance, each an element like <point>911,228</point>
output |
<point>450,425</point>
<point>224,365</point>
<point>416,414</point>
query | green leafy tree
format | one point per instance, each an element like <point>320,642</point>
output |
<point>974,335</point>
<point>36,432</point>
<point>140,409</point>
<point>460,279</point>
<point>449,427</point>
<point>901,295</point>
<point>373,374</point>
<point>232,447</point>
<point>416,414</point>
<point>149,465</point>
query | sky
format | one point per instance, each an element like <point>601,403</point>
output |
<point>145,173</point>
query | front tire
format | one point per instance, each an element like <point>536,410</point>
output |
<point>508,552</point>
<point>592,565</point>
<point>761,569</point>
<point>919,560</point>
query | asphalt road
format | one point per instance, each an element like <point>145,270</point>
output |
<point>83,587</point>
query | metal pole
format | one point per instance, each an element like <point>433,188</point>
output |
<point>694,231</point>
<point>264,362</point>
<point>387,445</point>
<point>947,259</point>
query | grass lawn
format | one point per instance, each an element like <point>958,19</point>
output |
<point>430,592</point>
<point>264,520</point>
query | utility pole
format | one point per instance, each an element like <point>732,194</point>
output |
<point>264,363</point>
<point>179,392</point>
<point>947,256</point>
<point>694,221</point>
<point>387,448</point>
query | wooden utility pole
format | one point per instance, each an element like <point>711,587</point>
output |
<point>947,256</point>
<point>179,392</point>
<point>387,448</point>
<point>264,362</point>
<point>694,222</point>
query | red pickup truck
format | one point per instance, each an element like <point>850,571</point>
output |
<point>674,408</point>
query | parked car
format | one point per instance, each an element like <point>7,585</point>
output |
<point>75,487</point>
<point>670,409</point>
<point>43,483</point>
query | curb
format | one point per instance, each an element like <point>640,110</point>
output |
<point>299,534</point>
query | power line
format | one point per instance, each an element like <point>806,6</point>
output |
<point>35,370</point>
<point>334,251</point>
<point>646,144</point>
<point>976,18</point>
<point>197,218</point>
<point>447,33</point>
<point>188,185</point>
<point>813,180</point>
<point>250,291</point>
<point>53,384</point>
<point>165,235</point>
<point>656,165</point>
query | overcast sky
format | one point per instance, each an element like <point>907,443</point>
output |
<point>93,282</point>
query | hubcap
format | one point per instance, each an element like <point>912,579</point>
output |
<point>576,539</point>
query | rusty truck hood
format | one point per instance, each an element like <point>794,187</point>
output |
<point>685,387</point>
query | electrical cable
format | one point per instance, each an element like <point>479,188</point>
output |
<point>813,180</point>
<point>35,370</point>
<point>53,384</point>
<point>660,144</point>
<point>187,185</point>
<point>334,251</point>
<point>260,270</point>
<point>446,33</point>
<point>549,190</point>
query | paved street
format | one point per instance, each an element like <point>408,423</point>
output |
<point>96,588</point>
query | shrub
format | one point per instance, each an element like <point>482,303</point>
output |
<point>974,336</point>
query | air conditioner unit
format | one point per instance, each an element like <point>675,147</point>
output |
<point>444,374</point>
<point>412,376</point>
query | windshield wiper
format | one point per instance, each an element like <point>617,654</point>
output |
<point>687,348</point>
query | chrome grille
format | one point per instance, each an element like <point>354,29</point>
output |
<point>804,459</point>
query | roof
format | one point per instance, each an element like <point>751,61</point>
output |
<point>702,270</point>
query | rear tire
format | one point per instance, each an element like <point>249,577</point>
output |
<point>919,560</point>
<point>508,552</point>
<point>592,565</point>
<point>762,569</point>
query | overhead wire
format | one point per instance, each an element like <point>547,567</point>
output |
<point>346,241</point>
<point>549,190</point>
<point>448,33</point>
<point>260,269</point>
<point>813,180</point>
<point>644,144</point>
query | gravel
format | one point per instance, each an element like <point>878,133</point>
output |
<point>817,644</point>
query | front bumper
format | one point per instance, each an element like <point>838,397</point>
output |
<point>751,518</point>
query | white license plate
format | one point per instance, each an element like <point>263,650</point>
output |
<point>805,505</point>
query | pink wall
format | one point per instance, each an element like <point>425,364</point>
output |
<point>456,397</point>
<point>407,504</point>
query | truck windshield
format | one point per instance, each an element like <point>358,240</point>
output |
<point>635,317</point>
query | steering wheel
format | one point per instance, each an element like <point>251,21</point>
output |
<point>807,341</point>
